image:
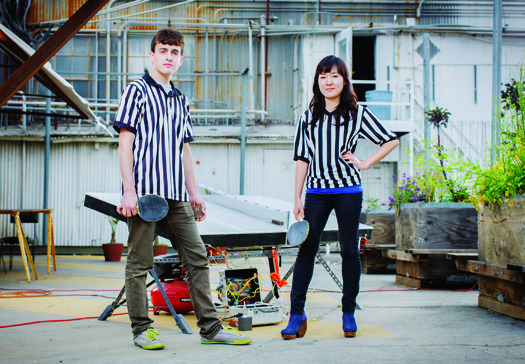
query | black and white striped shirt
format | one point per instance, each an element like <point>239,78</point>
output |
<point>322,146</point>
<point>161,123</point>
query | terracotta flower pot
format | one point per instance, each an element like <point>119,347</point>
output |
<point>112,251</point>
<point>160,250</point>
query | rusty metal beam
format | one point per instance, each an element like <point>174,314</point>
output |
<point>13,50</point>
<point>49,49</point>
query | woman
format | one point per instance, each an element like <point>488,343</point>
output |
<point>326,139</point>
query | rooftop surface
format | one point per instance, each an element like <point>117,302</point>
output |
<point>396,324</point>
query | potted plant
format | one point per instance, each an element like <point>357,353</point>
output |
<point>499,196</point>
<point>500,185</point>
<point>158,247</point>
<point>432,208</point>
<point>113,250</point>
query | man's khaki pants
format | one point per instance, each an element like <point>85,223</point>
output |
<point>180,228</point>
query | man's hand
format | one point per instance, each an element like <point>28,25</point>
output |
<point>128,204</point>
<point>197,200</point>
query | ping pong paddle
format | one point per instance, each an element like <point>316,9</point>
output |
<point>298,232</point>
<point>152,208</point>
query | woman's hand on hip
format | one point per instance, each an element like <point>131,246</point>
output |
<point>350,158</point>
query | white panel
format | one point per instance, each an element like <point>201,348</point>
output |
<point>377,182</point>
<point>279,174</point>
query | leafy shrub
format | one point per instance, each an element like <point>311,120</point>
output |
<point>505,175</point>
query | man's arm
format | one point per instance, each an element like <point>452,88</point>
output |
<point>128,204</point>
<point>191,184</point>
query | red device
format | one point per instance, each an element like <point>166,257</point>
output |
<point>178,294</point>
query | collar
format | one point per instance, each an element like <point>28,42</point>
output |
<point>154,83</point>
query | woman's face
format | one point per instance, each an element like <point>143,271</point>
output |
<point>331,84</point>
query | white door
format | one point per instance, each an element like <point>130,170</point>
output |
<point>343,47</point>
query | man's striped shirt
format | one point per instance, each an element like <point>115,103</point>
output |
<point>161,123</point>
<point>321,147</point>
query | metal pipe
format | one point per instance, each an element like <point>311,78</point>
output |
<point>207,70</point>
<point>496,74</point>
<point>418,11</point>
<point>243,130</point>
<point>108,58</point>
<point>24,109</point>
<point>47,147</point>
<point>250,65</point>
<point>262,62</point>
<point>426,86</point>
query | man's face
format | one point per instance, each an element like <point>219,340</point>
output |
<point>166,59</point>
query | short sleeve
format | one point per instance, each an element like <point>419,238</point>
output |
<point>129,111</point>
<point>372,129</point>
<point>301,151</point>
<point>188,127</point>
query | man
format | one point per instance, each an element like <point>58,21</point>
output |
<point>155,158</point>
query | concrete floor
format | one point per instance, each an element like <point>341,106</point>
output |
<point>396,324</point>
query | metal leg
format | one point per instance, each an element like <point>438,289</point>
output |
<point>332,274</point>
<point>119,301</point>
<point>269,296</point>
<point>179,319</point>
<point>271,263</point>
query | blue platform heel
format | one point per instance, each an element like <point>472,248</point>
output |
<point>349,324</point>
<point>296,327</point>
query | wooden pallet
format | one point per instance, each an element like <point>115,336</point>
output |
<point>418,268</point>
<point>373,260</point>
<point>501,287</point>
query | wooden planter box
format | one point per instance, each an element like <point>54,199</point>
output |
<point>383,238</point>
<point>425,234</point>
<point>447,225</point>
<point>501,265</point>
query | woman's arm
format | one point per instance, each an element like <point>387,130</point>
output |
<point>381,153</point>
<point>301,167</point>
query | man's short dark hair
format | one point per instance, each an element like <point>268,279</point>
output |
<point>168,36</point>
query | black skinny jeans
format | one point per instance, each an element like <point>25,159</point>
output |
<point>317,209</point>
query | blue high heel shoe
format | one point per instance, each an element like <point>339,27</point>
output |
<point>296,327</point>
<point>349,324</point>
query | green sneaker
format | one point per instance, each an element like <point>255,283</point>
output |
<point>227,336</point>
<point>148,340</point>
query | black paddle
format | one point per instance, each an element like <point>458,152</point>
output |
<point>298,232</point>
<point>152,208</point>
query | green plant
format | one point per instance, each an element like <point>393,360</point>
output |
<point>445,176</point>
<point>156,241</point>
<point>373,203</point>
<point>441,176</point>
<point>505,175</point>
<point>113,222</point>
<point>406,190</point>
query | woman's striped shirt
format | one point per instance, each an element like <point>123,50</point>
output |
<point>321,147</point>
<point>161,123</point>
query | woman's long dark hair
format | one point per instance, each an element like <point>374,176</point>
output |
<point>348,100</point>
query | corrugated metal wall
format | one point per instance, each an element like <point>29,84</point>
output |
<point>75,168</point>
